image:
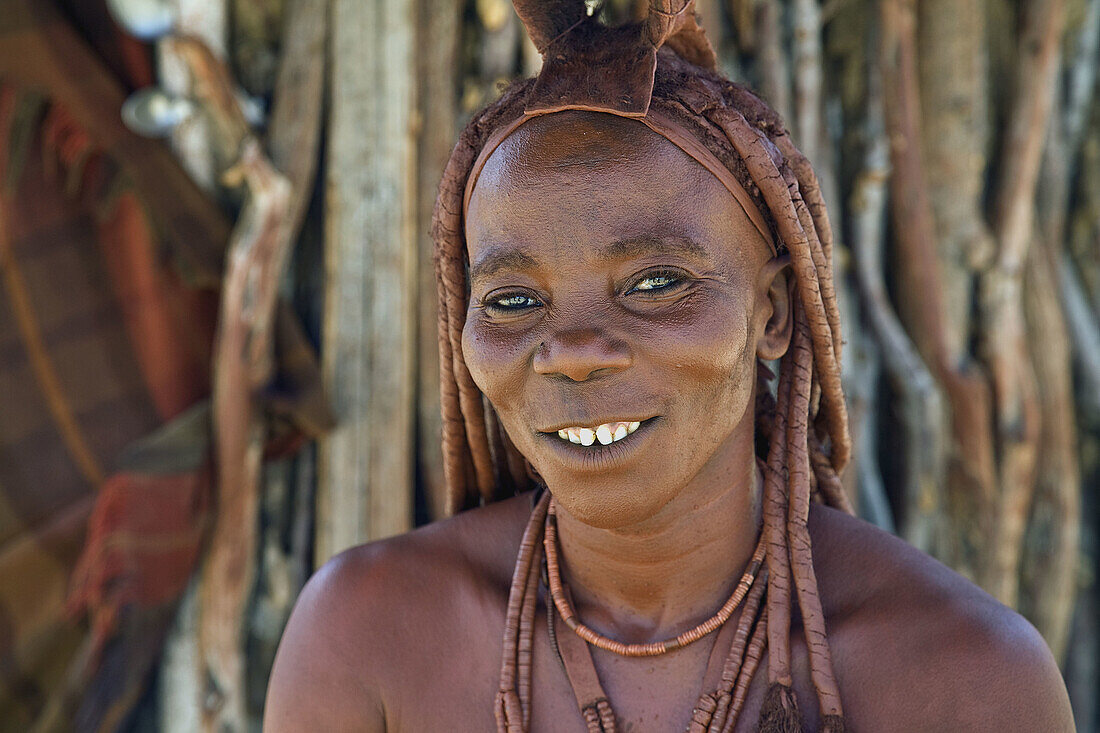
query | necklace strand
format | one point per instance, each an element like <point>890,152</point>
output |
<point>650,649</point>
<point>715,712</point>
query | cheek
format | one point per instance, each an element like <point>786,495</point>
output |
<point>495,359</point>
<point>710,348</point>
<point>718,380</point>
<point>727,378</point>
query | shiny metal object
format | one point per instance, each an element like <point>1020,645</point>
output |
<point>144,19</point>
<point>253,108</point>
<point>154,113</point>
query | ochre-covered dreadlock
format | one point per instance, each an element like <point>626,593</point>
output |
<point>803,428</point>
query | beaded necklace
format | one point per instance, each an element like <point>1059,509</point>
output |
<point>715,712</point>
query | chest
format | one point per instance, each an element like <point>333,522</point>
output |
<point>456,690</point>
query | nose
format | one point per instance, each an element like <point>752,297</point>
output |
<point>580,354</point>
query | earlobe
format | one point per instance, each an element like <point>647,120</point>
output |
<point>775,298</point>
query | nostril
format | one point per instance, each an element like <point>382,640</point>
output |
<point>580,354</point>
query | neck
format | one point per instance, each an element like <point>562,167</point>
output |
<point>656,578</point>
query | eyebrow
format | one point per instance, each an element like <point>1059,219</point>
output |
<point>500,258</point>
<point>638,246</point>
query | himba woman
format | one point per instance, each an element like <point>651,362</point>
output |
<point>660,543</point>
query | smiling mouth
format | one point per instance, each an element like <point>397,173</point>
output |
<point>609,446</point>
<point>604,434</point>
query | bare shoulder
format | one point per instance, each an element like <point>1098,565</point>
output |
<point>918,647</point>
<point>372,614</point>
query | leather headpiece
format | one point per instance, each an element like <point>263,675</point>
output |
<point>588,66</point>
<point>592,67</point>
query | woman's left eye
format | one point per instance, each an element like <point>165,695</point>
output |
<point>655,281</point>
<point>513,302</point>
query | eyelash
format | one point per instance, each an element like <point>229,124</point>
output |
<point>674,277</point>
<point>495,303</point>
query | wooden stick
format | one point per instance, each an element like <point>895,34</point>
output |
<point>438,36</point>
<point>920,288</point>
<point>921,401</point>
<point>775,82</point>
<point>1057,503</point>
<point>1004,345</point>
<point>259,248</point>
<point>365,467</point>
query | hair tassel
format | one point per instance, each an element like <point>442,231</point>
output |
<point>779,712</point>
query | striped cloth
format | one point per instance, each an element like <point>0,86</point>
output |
<point>109,262</point>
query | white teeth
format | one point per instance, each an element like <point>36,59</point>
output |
<point>607,433</point>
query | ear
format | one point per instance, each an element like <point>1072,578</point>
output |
<point>775,296</point>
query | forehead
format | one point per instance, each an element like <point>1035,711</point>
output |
<point>560,150</point>
<point>591,178</point>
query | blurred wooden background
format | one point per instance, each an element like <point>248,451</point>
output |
<point>958,144</point>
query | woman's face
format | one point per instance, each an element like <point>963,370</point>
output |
<point>615,282</point>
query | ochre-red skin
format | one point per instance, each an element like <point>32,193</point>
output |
<point>405,634</point>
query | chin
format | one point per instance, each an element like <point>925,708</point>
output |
<point>610,507</point>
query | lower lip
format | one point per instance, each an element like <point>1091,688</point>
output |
<point>599,457</point>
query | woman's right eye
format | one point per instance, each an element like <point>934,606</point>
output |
<point>512,302</point>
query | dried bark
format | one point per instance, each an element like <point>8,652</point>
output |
<point>255,49</point>
<point>243,363</point>
<point>773,70</point>
<point>995,425</point>
<point>1004,346</point>
<point>365,467</point>
<point>806,53</point>
<point>1052,547</point>
<point>1085,327</point>
<point>911,209</point>
<point>438,29</point>
<point>1085,220</point>
<point>920,400</point>
<point>294,130</point>
<point>954,140</point>
<point>181,700</point>
<point>1080,156</point>
<point>971,470</point>
<point>258,249</point>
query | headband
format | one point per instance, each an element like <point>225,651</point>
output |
<point>664,126</point>
<point>590,67</point>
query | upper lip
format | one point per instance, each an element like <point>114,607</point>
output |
<point>593,424</point>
